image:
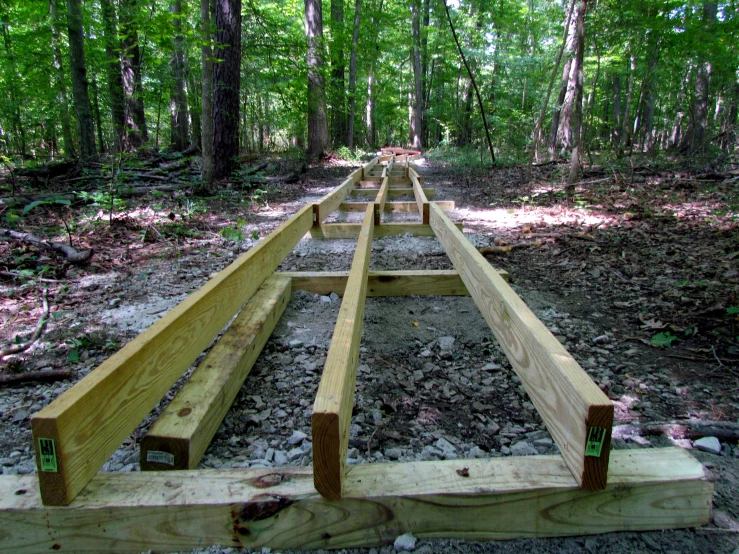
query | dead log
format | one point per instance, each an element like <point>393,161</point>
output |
<point>485,250</point>
<point>24,199</point>
<point>72,255</point>
<point>688,429</point>
<point>49,170</point>
<point>255,169</point>
<point>130,192</point>
<point>44,376</point>
<point>175,165</point>
<point>22,347</point>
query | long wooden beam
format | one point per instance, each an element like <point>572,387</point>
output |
<point>76,433</point>
<point>495,498</point>
<point>576,412</point>
<point>385,283</point>
<point>331,202</point>
<point>420,193</point>
<point>392,192</point>
<point>380,200</point>
<point>394,206</point>
<point>368,167</point>
<point>352,230</point>
<point>332,410</point>
<point>180,436</point>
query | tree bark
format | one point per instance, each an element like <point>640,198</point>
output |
<point>626,128</point>
<point>180,132</point>
<point>353,75</point>
<point>561,99</point>
<point>317,126</point>
<point>78,71</point>
<point>565,132</point>
<point>616,124</point>
<point>115,79</point>
<point>131,74</point>
<point>227,86</point>
<point>206,170</point>
<point>60,81</point>
<point>577,113</point>
<point>417,105</point>
<point>338,93</point>
<point>98,118</point>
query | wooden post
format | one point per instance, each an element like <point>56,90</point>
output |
<point>179,437</point>
<point>420,194</point>
<point>576,412</point>
<point>332,410</point>
<point>80,430</point>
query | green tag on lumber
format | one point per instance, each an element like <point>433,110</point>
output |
<point>47,452</point>
<point>596,438</point>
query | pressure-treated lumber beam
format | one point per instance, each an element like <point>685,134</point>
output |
<point>368,167</point>
<point>331,202</point>
<point>394,206</point>
<point>420,193</point>
<point>502,498</point>
<point>392,192</point>
<point>576,412</point>
<point>179,437</point>
<point>385,283</point>
<point>380,200</point>
<point>89,421</point>
<point>332,410</point>
<point>351,230</point>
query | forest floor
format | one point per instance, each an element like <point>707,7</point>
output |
<point>637,275</point>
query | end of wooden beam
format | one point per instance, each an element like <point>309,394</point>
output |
<point>328,475</point>
<point>160,453</point>
<point>597,447</point>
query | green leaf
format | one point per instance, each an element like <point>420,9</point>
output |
<point>663,339</point>
<point>731,310</point>
<point>73,356</point>
<point>28,207</point>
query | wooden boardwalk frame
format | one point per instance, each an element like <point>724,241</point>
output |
<point>577,492</point>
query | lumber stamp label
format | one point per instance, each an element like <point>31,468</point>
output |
<point>596,438</point>
<point>159,457</point>
<point>47,451</point>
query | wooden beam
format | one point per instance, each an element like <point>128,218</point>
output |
<point>331,202</point>
<point>502,498</point>
<point>368,166</point>
<point>385,283</point>
<point>394,206</point>
<point>179,437</point>
<point>82,428</point>
<point>576,412</point>
<point>420,194</point>
<point>392,192</point>
<point>332,410</point>
<point>351,230</point>
<point>380,200</point>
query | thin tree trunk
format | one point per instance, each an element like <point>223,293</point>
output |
<point>540,121</point>
<point>206,170</point>
<point>131,73</point>
<point>565,129</point>
<point>561,99</point>
<point>577,115</point>
<point>180,133</point>
<point>626,128</point>
<point>417,105</point>
<point>61,86</point>
<point>616,124</point>
<point>650,94</point>
<point>98,117</point>
<point>115,80</point>
<point>78,72</point>
<point>425,76</point>
<point>353,75</point>
<point>227,86</point>
<point>472,79</point>
<point>317,126</point>
<point>337,90</point>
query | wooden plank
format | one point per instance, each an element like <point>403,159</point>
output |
<point>332,410</point>
<point>380,200</point>
<point>503,498</point>
<point>394,206</point>
<point>567,399</point>
<point>386,283</point>
<point>368,166</point>
<point>421,199</point>
<point>351,230</point>
<point>179,437</point>
<point>331,202</point>
<point>89,421</point>
<point>392,192</point>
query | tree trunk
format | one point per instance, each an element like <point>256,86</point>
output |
<point>616,124</point>
<point>577,113</point>
<point>180,132</point>
<point>115,80</point>
<point>650,94</point>
<point>317,126</point>
<point>131,73</point>
<point>626,128</point>
<point>565,131</point>
<point>206,170</point>
<point>102,147</point>
<point>426,77</point>
<point>561,99</point>
<point>78,71</point>
<point>353,75</point>
<point>227,86</point>
<point>417,105</point>
<point>337,90</point>
<point>61,86</point>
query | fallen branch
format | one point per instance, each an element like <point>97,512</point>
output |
<point>18,348</point>
<point>505,249</point>
<point>46,376</point>
<point>690,429</point>
<point>72,255</point>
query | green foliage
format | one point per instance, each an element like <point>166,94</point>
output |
<point>47,202</point>
<point>663,339</point>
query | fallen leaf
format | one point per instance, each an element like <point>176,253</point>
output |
<point>464,472</point>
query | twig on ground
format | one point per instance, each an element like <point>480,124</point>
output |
<point>45,376</point>
<point>18,348</point>
<point>72,255</point>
